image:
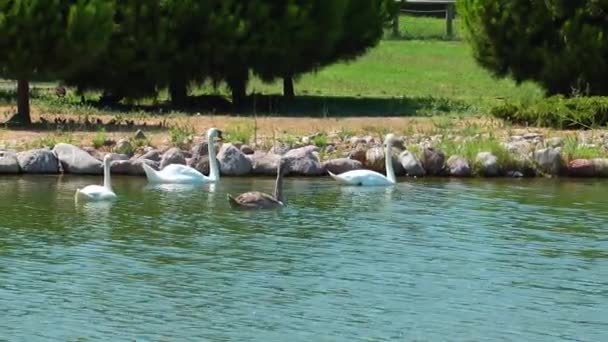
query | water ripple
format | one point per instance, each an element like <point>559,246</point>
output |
<point>425,260</point>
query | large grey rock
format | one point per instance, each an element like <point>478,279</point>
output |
<point>264,163</point>
<point>200,149</point>
<point>280,149</point>
<point>411,164</point>
<point>374,160</point>
<point>8,163</point>
<point>549,160</point>
<point>40,161</point>
<point>358,153</point>
<point>139,135</point>
<point>247,149</point>
<point>433,161</point>
<point>519,147</point>
<point>124,146</point>
<point>600,167</point>
<point>233,162</point>
<point>153,155</point>
<point>555,142</point>
<point>459,167</point>
<point>581,168</point>
<point>200,163</point>
<point>341,165</point>
<point>77,161</point>
<point>488,164</point>
<point>172,156</point>
<point>132,167</point>
<point>305,161</point>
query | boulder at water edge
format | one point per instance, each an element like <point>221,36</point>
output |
<point>374,160</point>
<point>77,161</point>
<point>200,163</point>
<point>233,162</point>
<point>488,164</point>
<point>41,161</point>
<point>172,156</point>
<point>549,160</point>
<point>200,149</point>
<point>132,167</point>
<point>600,167</point>
<point>433,161</point>
<point>8,163</point>
<point>411,164</point>
<point>305,161</point>
<point>153,155</point>
<point>341,165</point>
<point>581,168</point>
<point>459,167</point>
<point>359,153</point>
<point>264,163</point>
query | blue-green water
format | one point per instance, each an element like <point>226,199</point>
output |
<point>455,260</point>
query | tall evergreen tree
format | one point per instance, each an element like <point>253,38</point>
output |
<point>49,39</point>
<point>131,65</point>
<point>560,44</point>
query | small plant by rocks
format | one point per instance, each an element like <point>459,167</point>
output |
<point>100,138</point>
<point>181,136</point>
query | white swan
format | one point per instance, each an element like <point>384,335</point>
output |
<point>96,193</point>
<point>182,174</point>
<point>368,177</point>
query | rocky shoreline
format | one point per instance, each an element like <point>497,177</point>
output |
<point>417,156</point>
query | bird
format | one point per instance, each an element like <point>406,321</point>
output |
<point>182,174</point>
<point>368,177</point>
<point>260,200</point>
<point>96,193</point>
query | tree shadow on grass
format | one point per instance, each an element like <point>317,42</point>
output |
<point>301,106</point>
<point>265,105</point>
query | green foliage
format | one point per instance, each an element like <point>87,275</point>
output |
<point>46,40</point>
<point>50,140</point>
<point>558,43</point>
<point>131,66</point>
<point>557,112</point>
<point>470,148</point>
<point>240,133</point>
<point>181,136</point>
<point>320,140</point>
<point>573,149</point>
<point>100,138</point>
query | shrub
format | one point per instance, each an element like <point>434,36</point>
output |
<point>100,138</point>
<point>558,43</point>
<point>557,112</point>
<point>181,136</point>
<point>240,133</point>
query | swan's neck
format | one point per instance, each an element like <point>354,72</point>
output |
<point>278,187</point>
<point>388,160</point>
<point>214,172</point>
<point>107,181</point>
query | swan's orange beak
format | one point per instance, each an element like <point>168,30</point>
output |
<point>220,135</point>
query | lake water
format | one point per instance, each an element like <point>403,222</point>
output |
<point>523,260</point>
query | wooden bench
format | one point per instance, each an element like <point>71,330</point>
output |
<point>449,14</point>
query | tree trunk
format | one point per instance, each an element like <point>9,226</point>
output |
<point>238,86</point>
<point>23,102</point>
<point>179,93</point>
<point>288,90</point>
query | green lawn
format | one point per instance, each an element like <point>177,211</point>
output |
<point>419,70</point>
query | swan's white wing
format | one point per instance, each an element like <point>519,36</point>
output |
<point>95,193</point>
<point>362,177</point>
<point>181,174</point>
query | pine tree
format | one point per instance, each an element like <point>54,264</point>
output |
<point>560,44</point>
<point>48,40</point>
